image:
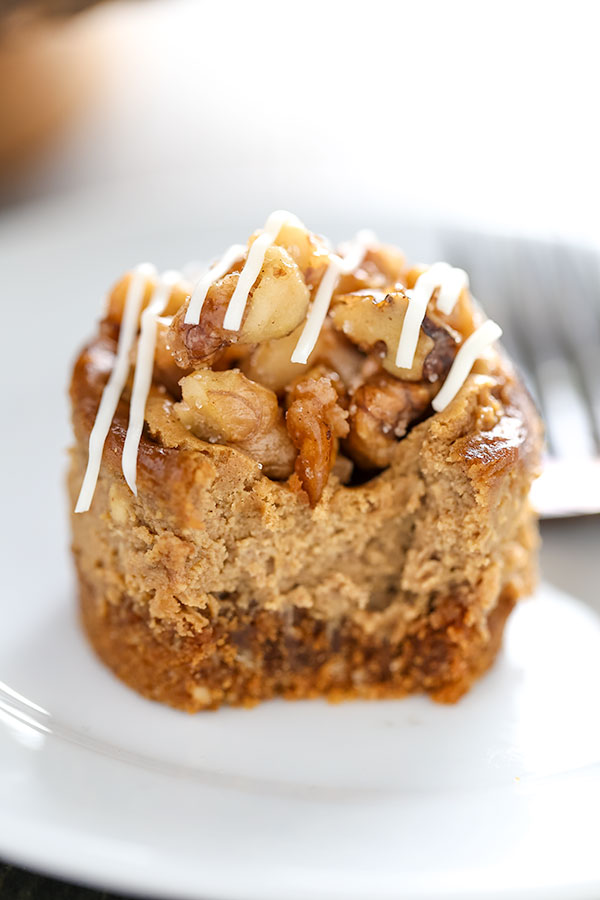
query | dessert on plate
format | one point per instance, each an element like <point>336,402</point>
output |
<point>304,473</point>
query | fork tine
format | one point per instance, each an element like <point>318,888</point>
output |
<point>546,296</point>
<point>565,411</point>
<point>536,288</point>
<point>590,374</point>
<point>582,326</point>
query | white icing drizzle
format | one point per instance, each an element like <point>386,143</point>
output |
<point>220,268</point>
<point>115,384</point>
<point>142,379</point>
<point>450,282</point>
<point>451,287</point>
<point>316,316</point>
<point>463,362</point>
<point>253,265</point>
<point>317,313</point>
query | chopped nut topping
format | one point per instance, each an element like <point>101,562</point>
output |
<point>380,413</point>
<point>278,302</point>
<point>196,344</point>
<point>383,268</point>
<point>228,408</point>
<point>461,318</point>
<point>116,299</point>
<point>377,324</point>
<point>234,386</point>
<point>270,363</point>
<point>277,305</point>
<point>308,251</point>
<point>437,363</point>
<point>315,420</point>
<point>166,370</point>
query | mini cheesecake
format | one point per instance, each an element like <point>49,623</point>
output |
<point>306,474</point>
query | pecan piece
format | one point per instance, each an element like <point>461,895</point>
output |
<point>315,421</point>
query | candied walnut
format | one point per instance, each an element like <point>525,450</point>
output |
<point>383,268</point>
<point>166,370</point>
<point>228,408</point>
<point>310,253</point>
<point>437,363</point>
<point>115,305</point>
<point>376,325</point>
<point>462,318</point>
<point>277,304</point>
<point>169,373</point>
<point>270,363</point>
<point>338,353</point>
<point>380,413</point>
<point>195,344</point>
<point>315,421</point>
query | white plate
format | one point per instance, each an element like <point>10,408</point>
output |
<point>496,797</point>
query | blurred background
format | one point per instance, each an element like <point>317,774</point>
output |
<point>349,111</point>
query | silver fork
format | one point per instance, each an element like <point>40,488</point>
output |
<point>546,297</point>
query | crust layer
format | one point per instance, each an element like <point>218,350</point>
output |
<point>255,655</point>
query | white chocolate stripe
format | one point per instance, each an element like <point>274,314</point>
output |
<point>320,305</point>
<point>317,313</point>
<point>451,288</point>
<point>450,283</point>
<point>409,336</point>
<point>142,379</point>
<point>115,384</point>
<point>248,275</point>
<point>253,265</point>
<point>463,362</point>
<point>220,268</point>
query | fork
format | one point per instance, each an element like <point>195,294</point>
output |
<point>546,297</point>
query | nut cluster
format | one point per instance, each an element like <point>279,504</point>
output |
<point>348,407</point>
